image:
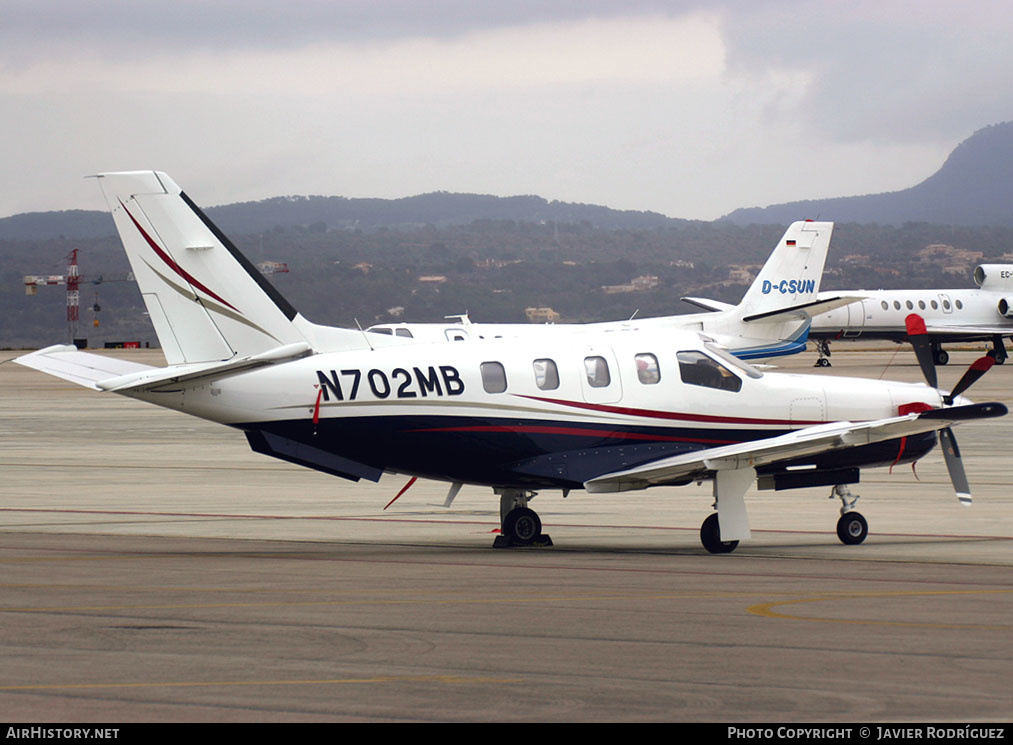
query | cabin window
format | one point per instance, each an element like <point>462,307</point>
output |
<point>493,377</point>
<point>386,332</point>
<point>648,371</point>
<point>910,305</point>
<point>886,305</point>
<point>896,304</point>
<point>921,305</point>
<point>960,305</point>
<point>696,368</point>
<point>403,332</point>
<point>597,370</point>
<point>546,374</point>
<point>946,305</point>
<point>935,305</point>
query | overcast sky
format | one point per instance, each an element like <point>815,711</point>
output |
<point>691,109</point>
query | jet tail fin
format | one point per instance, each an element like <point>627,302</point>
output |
<point>791,276</point>
<point>205,299</point>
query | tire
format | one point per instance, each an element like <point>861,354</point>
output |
<point>522,526</point>
<point>941,356</point>
<point>709,537</point>
<point>852,528</point>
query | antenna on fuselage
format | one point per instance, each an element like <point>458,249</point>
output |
<point>364,335</point>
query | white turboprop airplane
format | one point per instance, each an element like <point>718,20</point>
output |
<point>772,319</point>
<point>606,413</point>
<point>983,314</point>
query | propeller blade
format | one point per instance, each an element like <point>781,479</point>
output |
<point>919,337</point>
<point>978,368</point>
<point>955,465</point>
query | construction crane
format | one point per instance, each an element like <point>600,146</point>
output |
<point>73,279</point>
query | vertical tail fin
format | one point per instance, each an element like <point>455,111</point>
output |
<point>206,300</point>
<point>792,274</point>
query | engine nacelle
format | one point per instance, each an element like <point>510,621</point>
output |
<point>994,277</point>
<point>1006,307</point>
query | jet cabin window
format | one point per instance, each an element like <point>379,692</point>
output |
<point>597,370</point>
<point>696,368</point>
<point>648,371</point>
<point>546,374</point>
<point>493,377</point>
<point>404,332</point>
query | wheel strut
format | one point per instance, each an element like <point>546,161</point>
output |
<point>852,527</point>
<point>823,348</point>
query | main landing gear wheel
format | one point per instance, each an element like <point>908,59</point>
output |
<point>941,356</point>
<point>522,526</point>
<point>852,528</point>
<point>710,537</point>
<point>519,525</point>
<point>823,348</point>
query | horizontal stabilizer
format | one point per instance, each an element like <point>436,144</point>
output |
<point>707,304</point>
<point>805,311</point>
<point>159,376</point>
<point>83,368</point>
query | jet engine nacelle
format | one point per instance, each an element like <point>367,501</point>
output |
<point>1006,307</point>
<point>994,277</point>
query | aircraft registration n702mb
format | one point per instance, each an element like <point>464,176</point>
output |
<point>606,413</point>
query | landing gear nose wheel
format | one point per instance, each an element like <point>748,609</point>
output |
<point>852,528</point>
<point>710,537</point>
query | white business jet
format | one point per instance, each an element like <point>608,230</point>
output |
<point>772,318</point>
<point>958,315</point>
<point>602,412</point>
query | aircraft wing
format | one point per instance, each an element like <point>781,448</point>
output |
<point>84,368</point>
<point>799,443</point>
<point>963,330</point>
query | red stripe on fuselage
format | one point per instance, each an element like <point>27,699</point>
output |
<point>172,264</point>
<point>539,429</point>
<point>676,414</point>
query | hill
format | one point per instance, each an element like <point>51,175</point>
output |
<point>973,187</point>
<point>440,209</point>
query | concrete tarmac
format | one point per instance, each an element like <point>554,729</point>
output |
<point>154,569</point>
